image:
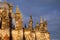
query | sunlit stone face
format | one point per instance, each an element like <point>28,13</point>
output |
<point>4,33</point>
<point>28,35</point>
<point>2,5</point>
<point>47,36</point>
<point>33,36</point>
<point>17,35</point>
<point>17,17</point>
<point>4,14</point>
<point>1,9</point>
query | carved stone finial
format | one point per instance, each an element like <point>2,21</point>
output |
<point>17,9</point>
<point>41,20</point>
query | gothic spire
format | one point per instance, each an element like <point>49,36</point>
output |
<point>45,25</point>
<point>45,22</point>
<point>41,20</point>
<point>31,18</point>
<point>37,24</point>
<point>30,24</point>
<point>17,9</point>
<point>41,24</point>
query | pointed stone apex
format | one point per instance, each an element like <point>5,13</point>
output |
<point>44,19</point>
<point>11,4</point>
<point>30,16</point>
<point>45,22</point>
<point>37,24</point>
<point>17,9</point>
<point>41,20</point>
<point>31,20</point>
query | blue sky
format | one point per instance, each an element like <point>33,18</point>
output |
<point>48,9</point>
